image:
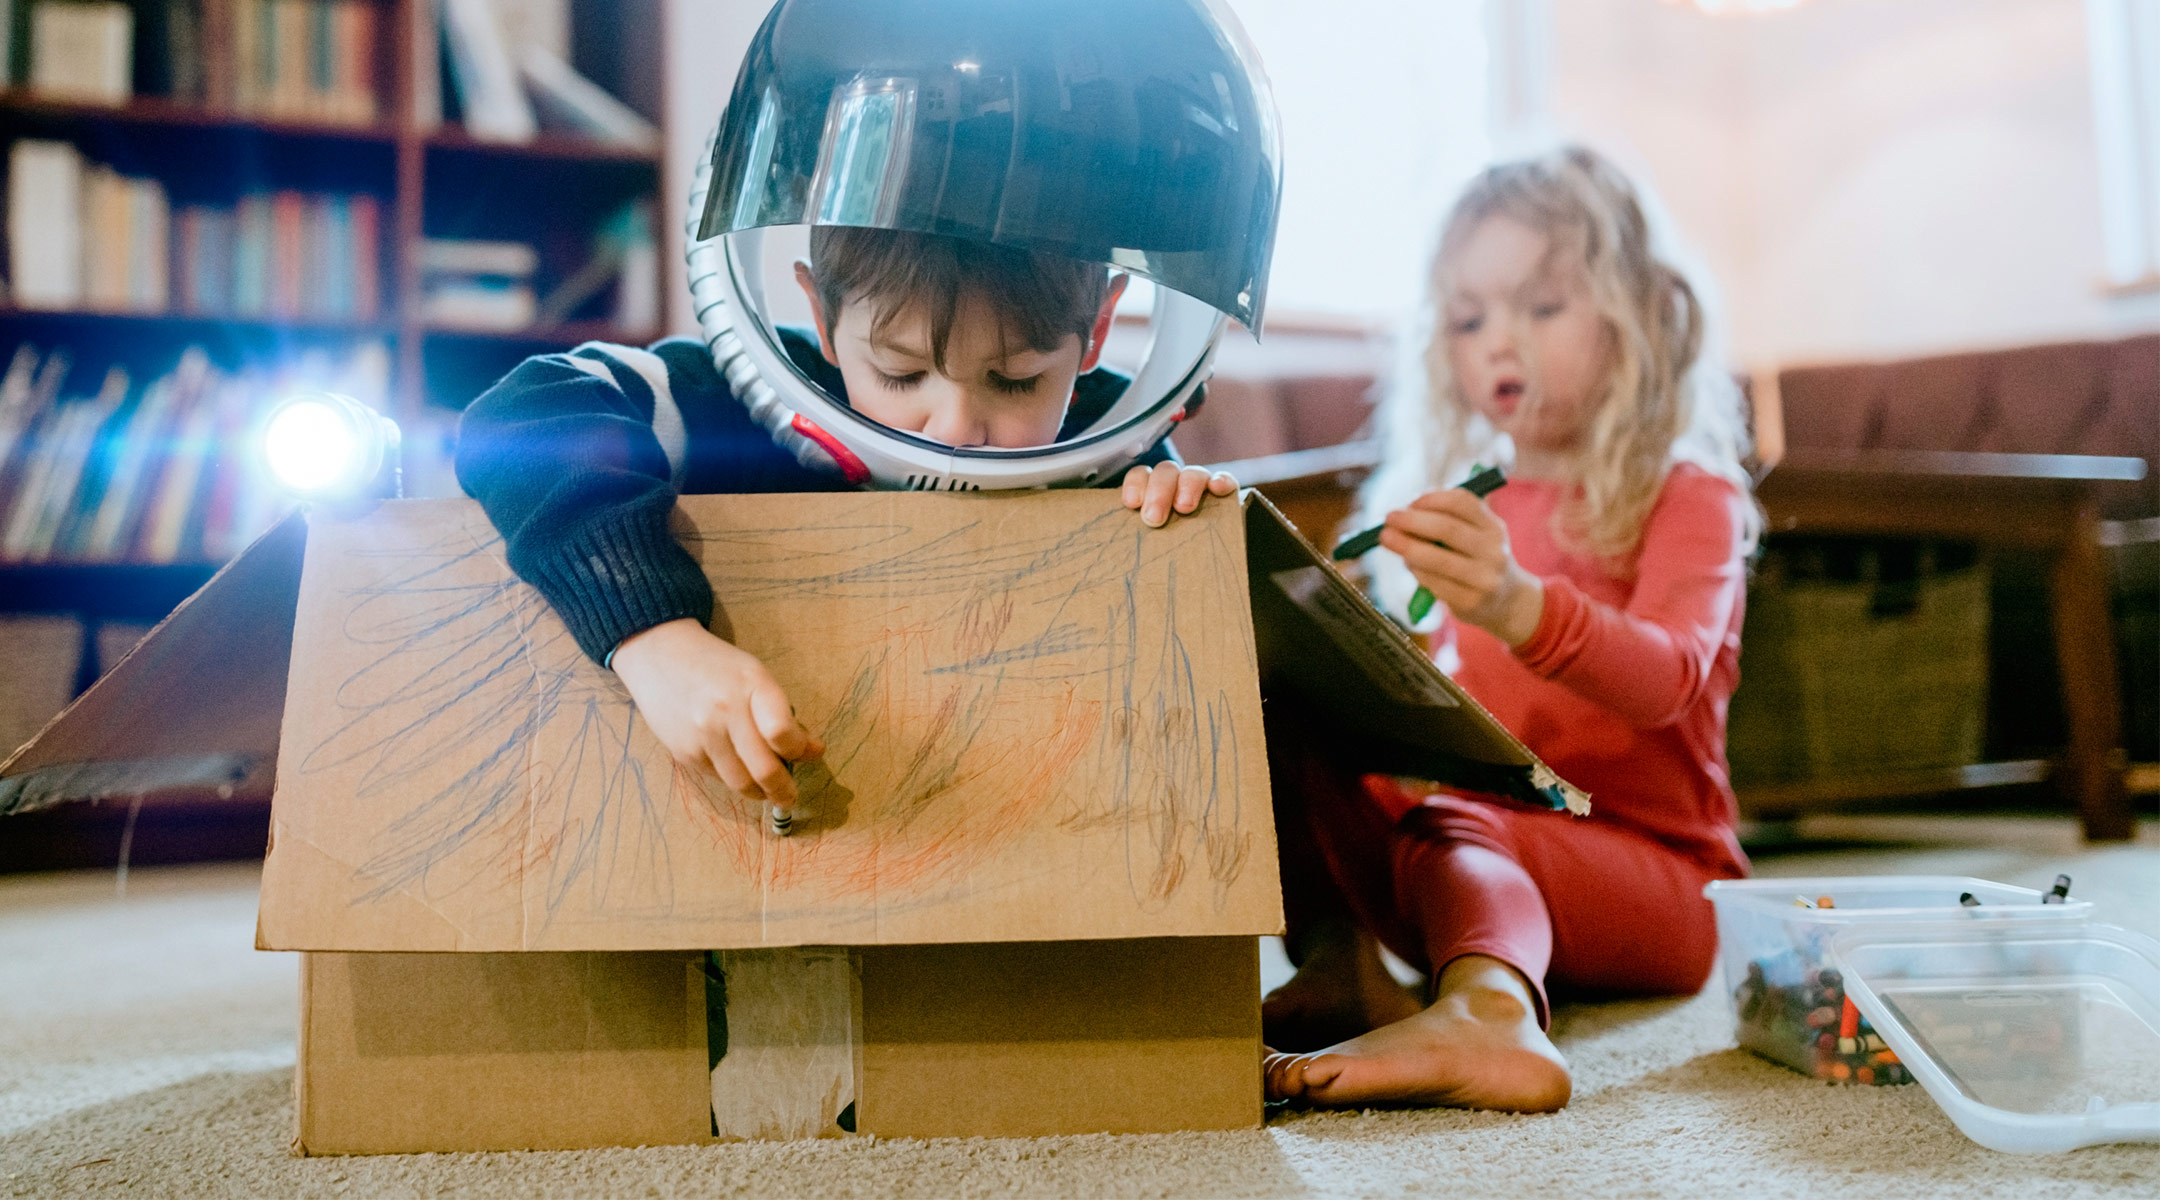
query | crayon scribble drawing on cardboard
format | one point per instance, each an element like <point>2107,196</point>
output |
<point>1042,829</point>
<point>1043,722</point>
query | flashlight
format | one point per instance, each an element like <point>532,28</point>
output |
<point>326,446</point>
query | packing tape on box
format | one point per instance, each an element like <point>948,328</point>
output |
<point>791,1020</point>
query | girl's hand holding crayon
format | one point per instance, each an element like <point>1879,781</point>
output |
<point>1456,547</point>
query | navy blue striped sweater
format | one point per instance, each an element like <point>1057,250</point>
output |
<point>578,458</point>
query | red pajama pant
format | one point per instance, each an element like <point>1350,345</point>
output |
<point>1578,906</point>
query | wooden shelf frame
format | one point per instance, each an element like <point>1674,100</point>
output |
<point>159,112</point>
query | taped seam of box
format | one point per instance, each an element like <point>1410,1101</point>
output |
<point>786,1042</point>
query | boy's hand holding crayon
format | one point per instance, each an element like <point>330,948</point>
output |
<point>716,707</point>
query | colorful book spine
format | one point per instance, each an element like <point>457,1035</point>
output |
<point>149,258</point>
<point>244,29</point>
<point>289,256</point>
<point>220,86</point>
<point>251,256</point>
<point>367,257</point>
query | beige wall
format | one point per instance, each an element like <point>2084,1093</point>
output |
<point>1863,178</point>
<point>1866,178</point>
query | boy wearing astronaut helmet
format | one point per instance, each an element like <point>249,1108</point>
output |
<point>980,178</point>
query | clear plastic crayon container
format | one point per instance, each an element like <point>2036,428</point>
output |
<point>1788,994</point>
<point>2033,1036</point>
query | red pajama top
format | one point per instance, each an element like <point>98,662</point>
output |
<point>1623,687</point>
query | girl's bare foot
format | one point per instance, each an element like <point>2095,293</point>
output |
<point>1478,1046</point>
<point>1341,989</point>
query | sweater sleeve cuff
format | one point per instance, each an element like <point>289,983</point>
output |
<point>615,577</point>
<point>1544,652</point>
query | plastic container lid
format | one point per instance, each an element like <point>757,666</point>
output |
<point>1886,898</point>
<point>2033,1036</point>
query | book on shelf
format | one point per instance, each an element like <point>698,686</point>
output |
<point>288,254</point>
<point>528,24</point>
<point>125,228</point>
<point>54,468</point>
<point>82,50</point>
<point>468,283</point>
<point>426,52</point>
<point>637,292</point>
<point>479,304</point>
<point>578,104</point>
<point>475,256</point>
<point>186,53</point>
<point>165,472</point>
<point>120,506</point>
<point>45,209</point>
<point>296,59</point>
<point>81,472</point>
<point>26,391</point>
<point>365,246</point>
<point>82,236</point>
<point>495,107</point>
<point>509,67</point>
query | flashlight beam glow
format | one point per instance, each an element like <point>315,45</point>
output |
<point>327,445</point>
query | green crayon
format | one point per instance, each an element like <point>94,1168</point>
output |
<point>1483,482</point>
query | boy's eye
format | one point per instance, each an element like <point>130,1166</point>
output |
<point>900,383</point>
<point>1013,387</point>
<point>1547,310</point>
<point>1465,324</point>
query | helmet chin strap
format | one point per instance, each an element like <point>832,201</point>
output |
<point>727,292</point>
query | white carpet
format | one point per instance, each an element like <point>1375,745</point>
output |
<point>145,1048</point>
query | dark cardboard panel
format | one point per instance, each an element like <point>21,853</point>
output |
<point>201,698</point>
<point>1329,653</point>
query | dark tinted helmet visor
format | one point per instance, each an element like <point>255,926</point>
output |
<point>1138,133</point>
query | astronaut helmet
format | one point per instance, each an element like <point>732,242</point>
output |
<point>1139,135</point>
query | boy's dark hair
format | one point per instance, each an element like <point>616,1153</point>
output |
<point>1039,297</point>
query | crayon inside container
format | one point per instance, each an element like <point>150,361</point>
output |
<point>1788,993</point>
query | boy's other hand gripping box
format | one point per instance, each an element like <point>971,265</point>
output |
<point>1021,898</point>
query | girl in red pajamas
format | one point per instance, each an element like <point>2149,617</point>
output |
<point>1593,605</point>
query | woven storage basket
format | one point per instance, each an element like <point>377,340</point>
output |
<point>1847,669</point>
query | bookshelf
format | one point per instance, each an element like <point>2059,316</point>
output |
<point>424,172</point>
<point>406,154</point>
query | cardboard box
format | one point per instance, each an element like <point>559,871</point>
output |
<point>1024,899</point>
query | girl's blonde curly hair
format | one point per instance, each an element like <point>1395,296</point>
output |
<point>1666,400</point>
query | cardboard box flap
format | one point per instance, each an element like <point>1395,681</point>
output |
<point>1043,723</point>
<point>1324,648</point>
<point>196,704</point>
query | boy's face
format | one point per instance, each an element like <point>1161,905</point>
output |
<point>994,390</point>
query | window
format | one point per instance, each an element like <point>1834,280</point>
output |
<point>2124,40</point>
